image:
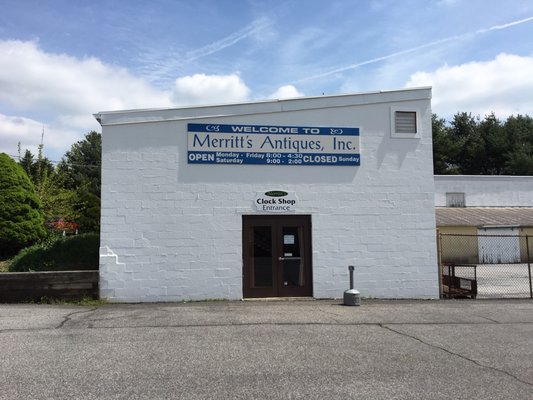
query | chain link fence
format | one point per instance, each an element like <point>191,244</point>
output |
<point>486,266</point>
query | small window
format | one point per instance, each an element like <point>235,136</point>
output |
<point>455,200</point>
<point>405,122</point>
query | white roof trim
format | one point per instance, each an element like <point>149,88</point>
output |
<point>260,107</point>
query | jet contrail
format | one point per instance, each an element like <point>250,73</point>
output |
<point>505,26</point>
<point>159,69</point>
<point>413,49</point>
<point>230,40</point>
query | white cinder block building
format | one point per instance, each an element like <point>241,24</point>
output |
<point>270,199</point>
<point>483,191</point>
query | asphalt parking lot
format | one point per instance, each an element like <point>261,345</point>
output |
<point>472,349</point>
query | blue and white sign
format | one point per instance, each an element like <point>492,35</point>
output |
<point>272,144</point>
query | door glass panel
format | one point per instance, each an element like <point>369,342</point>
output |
<point>292,256</point>
<point>262,257</point>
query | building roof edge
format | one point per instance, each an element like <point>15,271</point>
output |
<point>260,107</point>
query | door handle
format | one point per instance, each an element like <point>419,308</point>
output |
<point>289,258</point>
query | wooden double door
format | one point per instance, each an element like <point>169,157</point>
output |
<point>277,256</point>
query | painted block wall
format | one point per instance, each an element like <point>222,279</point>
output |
<point>486,191</point>
<point>172,231</point>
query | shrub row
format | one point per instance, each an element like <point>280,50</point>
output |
<point>79,252</point>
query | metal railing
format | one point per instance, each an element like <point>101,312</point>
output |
<point>492,266</point>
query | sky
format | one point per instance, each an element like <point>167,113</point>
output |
<point>61,61</point>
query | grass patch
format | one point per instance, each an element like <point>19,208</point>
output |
<point>85,301</point>
<point>4,266</point>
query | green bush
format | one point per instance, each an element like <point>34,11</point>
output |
<point>21,220</point>
<point>58,253</point>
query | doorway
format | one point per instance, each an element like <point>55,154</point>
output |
<point>277,256</point>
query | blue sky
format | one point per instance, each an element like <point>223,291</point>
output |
<point>61,61</point>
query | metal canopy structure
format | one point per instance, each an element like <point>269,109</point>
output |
<point>484,216</point>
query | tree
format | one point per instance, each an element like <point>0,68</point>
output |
<point>471,146</point>
<point>80,171</point>
<point>520,163</point>
<point>81,164</point>
<point>491,133</point>
<point>26,162</point>
<point>87,207</point>
<point>21,220</point>
<point>37,170</point>
<point>57,203</point>
<point>462,133</point>
<point>518,156</point>
<point>444,148</point>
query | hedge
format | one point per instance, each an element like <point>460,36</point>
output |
<point>78,252</point>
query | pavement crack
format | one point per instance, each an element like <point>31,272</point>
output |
<point>330,314</point>
<point>69,316</point>
<point>455,354</point>
<point>490,319</point>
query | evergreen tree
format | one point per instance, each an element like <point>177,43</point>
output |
<point>21,220</point>
<point>26,162</point>
<point>494,145</point>
<point>444,148</point>
<point>81,164</point>
<point>518,156</point>
<point>38,170</point>
<point>80,171</point>
<point>471,146</point>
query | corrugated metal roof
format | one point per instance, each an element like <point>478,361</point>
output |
<point>479,216</point>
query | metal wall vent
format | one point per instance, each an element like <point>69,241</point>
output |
<point>455,199</point>
<point>405,122</point>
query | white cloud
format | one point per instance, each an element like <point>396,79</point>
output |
<point>18,129</point>
<point>286,92</point>
<point>210,89</point>
<point>503,85</point>
<point>31,78</point>
<point>28,132</point>
<point>61,92</point>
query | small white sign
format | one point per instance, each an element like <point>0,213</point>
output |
<point>275,201</point>
<point>288,239</point>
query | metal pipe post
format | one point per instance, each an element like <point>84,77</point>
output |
<point>529,267</point>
